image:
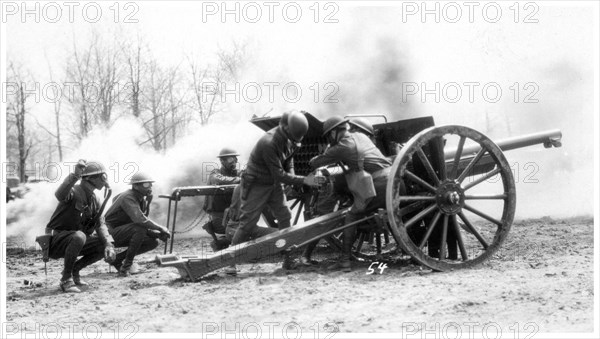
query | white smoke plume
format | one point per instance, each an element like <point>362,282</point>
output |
<point>188,163</point>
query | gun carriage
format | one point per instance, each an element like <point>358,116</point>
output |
<point>450,198</point>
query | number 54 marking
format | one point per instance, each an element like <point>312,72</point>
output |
<point>381,266</point>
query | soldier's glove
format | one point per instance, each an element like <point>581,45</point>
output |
<point>314,180</point>
<point>80,167</point>
<point>109,253</point>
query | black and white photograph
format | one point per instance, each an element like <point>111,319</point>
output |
<point>299,169</point>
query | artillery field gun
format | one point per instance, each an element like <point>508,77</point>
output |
<point>450,198</point>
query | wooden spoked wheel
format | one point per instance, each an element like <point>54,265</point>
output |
<point>437,211</point>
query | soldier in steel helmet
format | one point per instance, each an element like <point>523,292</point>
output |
<point>215,206</point>
<point>73,222</point>
<point>269,167</point>
<point>129,225</point>
<point>366,175</point>
<point>362,125</point>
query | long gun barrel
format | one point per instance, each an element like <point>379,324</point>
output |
<point>547,138</point>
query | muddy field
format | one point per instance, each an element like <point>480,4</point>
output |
<point>541,281</point>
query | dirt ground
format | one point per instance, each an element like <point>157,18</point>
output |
<point>541,281</point>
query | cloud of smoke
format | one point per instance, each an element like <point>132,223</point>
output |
<point>187,163</point>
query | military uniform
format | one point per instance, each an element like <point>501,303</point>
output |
<point>374,163</point>
<point>216,205</point>
<point>71,234</point>
<point>128,225</point>
<point>357,152</point>
<point>233,218</point>
<point>269,167</point>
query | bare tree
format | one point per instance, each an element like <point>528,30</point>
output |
<point>133,56</point>
<point>95,72</point>
<point>17,113</point>
<point>208,81</point>
<point>79,70</point>
<point>179,116</point>
<point>107,75</point>
<point>57,108</point>
<point>161,103</point>
<point>206,91</point>
<point>232,62</point>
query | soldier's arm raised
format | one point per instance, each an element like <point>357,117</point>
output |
<point>64,192</point>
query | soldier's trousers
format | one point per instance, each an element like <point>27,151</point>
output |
<point>258,231</point>
<point>256,199</point>
<point>137,240</point>
<point>70,245</point>
<point>216,219</point>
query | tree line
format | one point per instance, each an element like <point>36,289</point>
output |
<point>108,78</point>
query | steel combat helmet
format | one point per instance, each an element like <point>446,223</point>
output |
<point>332,123</point>
<point>228,152</point>
<point>93,168</point>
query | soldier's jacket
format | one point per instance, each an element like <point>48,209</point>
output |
<point>127,207</point>
<point>346,151</point>
<point>271,160</point>
<point>77,206</point>
<point>222,176</point>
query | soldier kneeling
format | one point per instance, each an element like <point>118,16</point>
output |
<point>71,226</point>
<point>130,226</point>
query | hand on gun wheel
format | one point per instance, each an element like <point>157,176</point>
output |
<point>314,180</point>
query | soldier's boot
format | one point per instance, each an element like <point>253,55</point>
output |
<point>344,263</point>
<point>128,268</point>
<point>208,227</point>
<point>77,279</point>
<point>68,286</point>
<point>305,259</point>
<point>288,262</point>
<point>222,243</point>
<point>231,270</point>
<point>239,237</point>
<point>85,261</point>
